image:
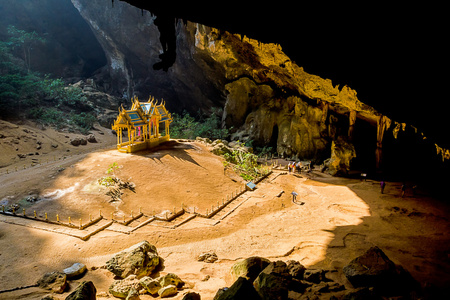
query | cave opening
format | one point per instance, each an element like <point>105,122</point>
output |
<point>365,143</point>
<point>274,139</point>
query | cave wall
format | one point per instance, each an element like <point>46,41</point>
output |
<point>71,50</point>
<point>258,86</point>
<point>267,98</point>
<point>131,41</point>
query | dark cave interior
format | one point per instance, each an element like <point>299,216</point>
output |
<point>390,54</point>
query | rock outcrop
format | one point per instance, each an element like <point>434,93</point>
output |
<point>77,269</point>
<point>372,276</point>
<point>268,99</point>
<point>140,260</point>
<point>375,269</point>
<point>84,291</point>
<point>54,281</point>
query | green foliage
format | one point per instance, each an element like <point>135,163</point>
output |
<point>266,150</point>
<point>24,93</point>
<point>112,168</point>
<point>109,180</point>
<point>245,164</point>
<point>24,41</point>
<point>185,126</point>
<point>106,181</point>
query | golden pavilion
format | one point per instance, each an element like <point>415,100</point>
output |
<point>147,125</point>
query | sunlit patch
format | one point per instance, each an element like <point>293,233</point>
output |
<point>58,193</point>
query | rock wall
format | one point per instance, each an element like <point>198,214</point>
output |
<point>267,98</point>
<point>70,49</point>
<point>131,41</point>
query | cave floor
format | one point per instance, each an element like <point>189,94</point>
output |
<point>333,221</point>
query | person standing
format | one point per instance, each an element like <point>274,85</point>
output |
<point>403,189</point>
<point>383,185</point>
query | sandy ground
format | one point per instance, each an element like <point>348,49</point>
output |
<point>338,220</point>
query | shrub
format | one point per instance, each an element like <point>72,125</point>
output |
<point>185,126</point>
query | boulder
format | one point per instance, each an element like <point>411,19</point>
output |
<point>133,294</point>
<point>151,285</point>
<point>296,269</point>
<point>83,141</point>
<point>167,291</point>
<point>75,141</point>
<point>121,288</point>
<point>375,269</point>
<point>221,149</point>
<point>314,275</point>
<point>54,281</point>
<point>75,270</point>
<point>208,257</point>
<point>273,282</point>
<point>91,138</point>
<point>191,296</point>
<point>85,291</point>
<point>242,289</point>
<point>171,279</point>
<point>249,268</point>
<point>140,259</point>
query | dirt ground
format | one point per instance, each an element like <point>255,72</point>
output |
<point>333,221</point>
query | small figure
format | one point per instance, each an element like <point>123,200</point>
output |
<point>403,189</point>
<point>383,185</point>
<point>294,196</point>
<point>289,168</point>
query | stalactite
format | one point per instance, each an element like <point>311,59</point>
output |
<point>383,124</point>
<point>352,120</point>
<point>325,106</point>
<point>445,153</point>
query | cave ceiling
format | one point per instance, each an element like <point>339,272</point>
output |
<point>394,56</point>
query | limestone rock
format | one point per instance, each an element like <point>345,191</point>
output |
<point>49,297</point>
<point>375,269</point>
<point>314,275</point>
<point>342,153</point>
<point>85,291</point>
<point>242,289</point>
<point>208,257</point>
<point>140,259</point>
<point>221,149</point>
<point>75,141</point>
<point>191,296</point>
<point>151,285</point>
<point>273,282</point>
<point>296,269</point>
<point>75,270</point>
<point>249,268</point>
<point>133,294</point>
<point>91,138</point>
<point>121,288</point>
<point>167,291</point>
<point>171,279</point>
<point>54,281</point>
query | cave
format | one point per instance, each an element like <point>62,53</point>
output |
<point>273,139</point>
<point>364,140</point>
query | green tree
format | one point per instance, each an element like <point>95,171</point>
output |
<point>25,41</point>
